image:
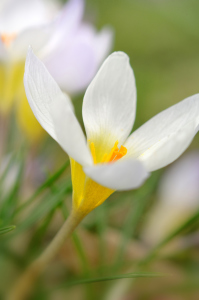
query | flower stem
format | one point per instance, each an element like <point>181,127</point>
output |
<point>25,283</point>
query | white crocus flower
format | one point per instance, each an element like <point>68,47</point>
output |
<point>178,199</point>
<point>51,31</point>
<point>109,160</point>
<point>24,22</point>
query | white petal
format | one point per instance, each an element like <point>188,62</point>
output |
<point>37,38</point>
<point>121,175</point>
<point>110,100</point>
<point>76,51</point>
<point>42,91</point>
<point>72,64</point>
<point>165,137</point>
<point>69,134</point>
<point>70,17</point>
<point>15,16</point>
<point>66,26</point>
<point>53,110</point>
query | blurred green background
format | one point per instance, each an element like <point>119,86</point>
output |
<point>162,41</point>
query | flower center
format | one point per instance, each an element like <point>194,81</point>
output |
<point>115,153</point>
<point>7,38</point>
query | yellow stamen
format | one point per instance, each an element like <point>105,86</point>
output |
<point>114,154</point>
<point>7,38</point>
<point>93,152</point>
<point>113,151</point>
<point>122,152</point>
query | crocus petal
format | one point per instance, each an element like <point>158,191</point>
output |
<point>76,51</point>
<point>36,37</point>
<point>165,137</point>
<point>69,134</point>
<point>71,65</point>
<point>54,110</point>
<point>15,16</point>
<point>41,91</point>
<point>68,56</point>
<point>66,25</point>
<point>110,100</point>
<point>70,17</point>
<point>121,175</point>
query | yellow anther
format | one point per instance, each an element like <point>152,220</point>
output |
<point>122,152</point>
<point>114,154</point>
<point>93,152</point>
<point>113,150</point>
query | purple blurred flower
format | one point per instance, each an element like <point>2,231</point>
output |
<point>71,49</point>
<point>77,50</point>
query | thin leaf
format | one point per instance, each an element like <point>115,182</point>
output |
<point>47,204</point>
<point>7,229</point>
<point>45,185</point>
<point>38,235</point>
<point>108,278</point>
<point>10,201</point>
<point>6,169</point>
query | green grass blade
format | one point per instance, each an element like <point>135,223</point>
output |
<point>45,185</point>
<point>7,229</point>
<point>108,278</point>
<point>46,205</point>
<point>36,240</point>
<point>6,169</point>
<point>9,202</point>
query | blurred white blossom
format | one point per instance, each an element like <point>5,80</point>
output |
<point>25,22</point>
<point>178,198</point>
<point>71,49</point>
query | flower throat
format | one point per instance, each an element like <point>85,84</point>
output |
<point>115,153</point>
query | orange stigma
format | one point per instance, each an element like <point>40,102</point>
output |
<point>114,154</point>
<point>7,38</point>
